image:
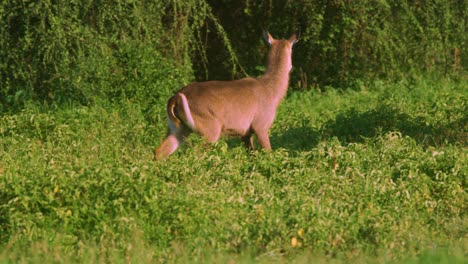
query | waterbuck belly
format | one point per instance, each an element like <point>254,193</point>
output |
<point>234,132</point>
<point>238,126</point>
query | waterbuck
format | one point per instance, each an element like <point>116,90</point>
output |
<point>242,107</point>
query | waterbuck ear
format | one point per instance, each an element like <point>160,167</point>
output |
<point>294,38</point>
<point>268,38</point>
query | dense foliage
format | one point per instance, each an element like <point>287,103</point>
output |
<point>346,42</point>
<point>84,50</point>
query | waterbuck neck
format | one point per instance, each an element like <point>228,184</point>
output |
<point>276,78</point>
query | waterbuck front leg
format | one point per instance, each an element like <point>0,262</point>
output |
<point>263,139</point>
<point>261,126</point>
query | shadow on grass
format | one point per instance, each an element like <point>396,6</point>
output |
<point>353,126</point>
<point>296,138</point>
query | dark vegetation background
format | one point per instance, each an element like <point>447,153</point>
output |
<point>82,51</point>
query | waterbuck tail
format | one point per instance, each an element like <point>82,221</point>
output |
<point>178,112</point>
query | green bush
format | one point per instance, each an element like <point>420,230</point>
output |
<point>80,51</point>
<point>345,42</point>
<point>134,71</point>
<point>77,51</point>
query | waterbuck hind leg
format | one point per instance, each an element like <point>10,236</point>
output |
<point>210,131</point>
<point>174,139</point>
<point>248,141</point>
<point>167,147</point>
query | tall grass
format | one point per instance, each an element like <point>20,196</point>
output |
<point>371,175</point>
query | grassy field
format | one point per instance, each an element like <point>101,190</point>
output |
<point>376,175</point>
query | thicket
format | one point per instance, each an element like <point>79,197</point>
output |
<point>86,50</point>
<point>345,42</point>
<point>81,51</point>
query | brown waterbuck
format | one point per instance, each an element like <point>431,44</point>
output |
<point>242,107</point>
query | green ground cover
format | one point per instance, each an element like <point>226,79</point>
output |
<point>375,175</point>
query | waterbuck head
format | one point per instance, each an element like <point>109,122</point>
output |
<point>280,51</point>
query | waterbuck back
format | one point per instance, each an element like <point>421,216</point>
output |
<point>242,107</point>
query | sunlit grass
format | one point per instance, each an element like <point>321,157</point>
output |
<point>377,175</point>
